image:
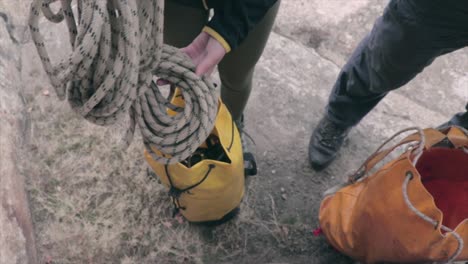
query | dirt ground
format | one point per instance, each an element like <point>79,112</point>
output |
<point>92,202</point>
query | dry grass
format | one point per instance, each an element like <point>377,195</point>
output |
<point>94,203</point>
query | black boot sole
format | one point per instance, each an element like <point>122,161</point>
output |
<point>320,167</point>
<point>226,218</point>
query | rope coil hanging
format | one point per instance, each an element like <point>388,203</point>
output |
<point>117,49</point>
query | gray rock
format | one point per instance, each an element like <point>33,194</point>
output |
<point>17,236</point>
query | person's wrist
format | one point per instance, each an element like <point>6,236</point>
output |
<point>218,37</point>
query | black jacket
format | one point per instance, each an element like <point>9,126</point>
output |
<point>232,19</point>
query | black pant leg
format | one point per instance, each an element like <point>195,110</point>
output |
<point>403,41</point>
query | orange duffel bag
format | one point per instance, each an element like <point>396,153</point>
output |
<point>412,210</point>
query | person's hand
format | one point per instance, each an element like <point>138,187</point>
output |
<point>206,52</point>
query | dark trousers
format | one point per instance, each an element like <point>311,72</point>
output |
<point>184,20</point>
<point>404,40</point>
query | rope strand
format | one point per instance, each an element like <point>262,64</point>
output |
<point>117,49</point>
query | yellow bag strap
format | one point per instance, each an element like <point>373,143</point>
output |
<point>175,192</point>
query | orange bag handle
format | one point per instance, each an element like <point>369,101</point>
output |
<point>379,155</point>
<point>457,136</point>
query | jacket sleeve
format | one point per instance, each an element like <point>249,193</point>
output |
<point>233,19</point>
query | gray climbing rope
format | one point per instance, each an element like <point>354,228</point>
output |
<point>408,177</point>
<point>117,50</point>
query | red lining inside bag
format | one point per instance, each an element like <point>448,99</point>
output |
<point>444,173</point>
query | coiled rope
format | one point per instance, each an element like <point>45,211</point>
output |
<point>117,50</point>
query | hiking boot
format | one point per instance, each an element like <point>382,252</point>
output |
<point>460,120</point>
<point>444,126</point>
<point>325,142</point>
<point>250,164</point>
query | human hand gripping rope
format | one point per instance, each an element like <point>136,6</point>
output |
<point>117,49</point>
